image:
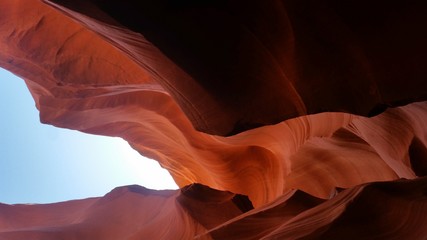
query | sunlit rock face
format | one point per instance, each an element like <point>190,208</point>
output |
<point>284,102</point>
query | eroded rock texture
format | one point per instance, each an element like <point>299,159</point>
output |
<point>131,212</point>
<point>285,102</point>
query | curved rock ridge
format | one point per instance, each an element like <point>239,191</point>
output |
<point>367,211</point>
<point>163,77</point>
<point>235,65</point>
<point>130,212</point>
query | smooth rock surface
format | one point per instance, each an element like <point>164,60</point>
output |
<point>131,212</point>
<point>264,99</point>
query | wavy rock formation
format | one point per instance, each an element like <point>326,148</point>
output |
<point>363,212</point>
<point>237,96</point>
<point>131,212</point>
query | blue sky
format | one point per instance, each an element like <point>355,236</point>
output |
<point>41,164</point>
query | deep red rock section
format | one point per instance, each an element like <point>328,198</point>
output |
<point>178,79</point>
<point>131,212</point>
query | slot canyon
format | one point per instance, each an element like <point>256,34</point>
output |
<point>278,119</point>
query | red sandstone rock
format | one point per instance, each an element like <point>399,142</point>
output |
<point>153,77</point>
<point>131,212</point>
<point>363,212</point>
<point>234,65</point>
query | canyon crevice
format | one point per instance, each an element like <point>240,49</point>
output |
<point>277,119</point>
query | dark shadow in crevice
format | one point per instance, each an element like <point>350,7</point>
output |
<point>418,157</point>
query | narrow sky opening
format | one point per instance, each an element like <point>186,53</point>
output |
<point>42,164</point>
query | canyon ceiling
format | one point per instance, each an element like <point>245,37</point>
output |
<point>278,119</point>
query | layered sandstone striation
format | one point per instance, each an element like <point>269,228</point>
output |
<point>273,100</point>
<point>131,212</point>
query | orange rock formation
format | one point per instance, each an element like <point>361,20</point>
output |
<point>267,99</point>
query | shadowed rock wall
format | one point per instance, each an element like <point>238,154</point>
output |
<point>267,99</point>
